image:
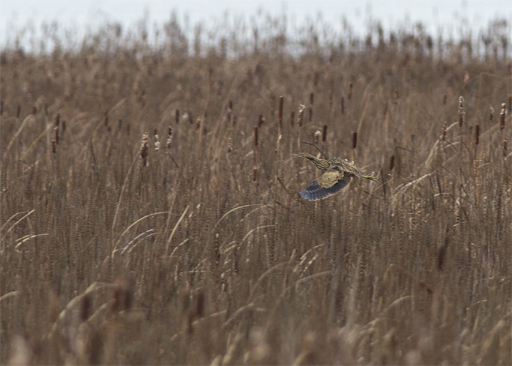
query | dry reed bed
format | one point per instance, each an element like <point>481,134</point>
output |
<point>203,252</point>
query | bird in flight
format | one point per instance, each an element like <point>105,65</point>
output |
<point>337,175</point>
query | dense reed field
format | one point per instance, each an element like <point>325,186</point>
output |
<point>150,211</point>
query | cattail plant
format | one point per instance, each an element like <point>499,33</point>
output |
<point>311,102</point>
<point>280,114</point>
<point>461,112</point>
<point>230,145</point>
<point>300,119</point>
<point>230,110</point>
<point>157,142</point>
<point>177,116</point>
<point>144,149</point>
<point>503,116</point>
<point>18,111</point>
<point>56,135</point>
<point>261,120</point>
<point>324,133</point>
<point>255,136</point>
<point>354,140</point>
<point>317,136</point>
<point>169,138</point>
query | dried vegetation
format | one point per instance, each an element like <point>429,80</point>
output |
<point>150,210</point>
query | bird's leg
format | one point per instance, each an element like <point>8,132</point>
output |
<point>371,177</point>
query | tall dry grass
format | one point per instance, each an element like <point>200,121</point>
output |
<point>150,210</point>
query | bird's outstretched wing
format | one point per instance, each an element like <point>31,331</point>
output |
<point>331,182</point>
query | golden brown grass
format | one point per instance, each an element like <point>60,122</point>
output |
<point>203,252</point>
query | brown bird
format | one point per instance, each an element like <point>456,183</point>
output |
<point>337,175</point>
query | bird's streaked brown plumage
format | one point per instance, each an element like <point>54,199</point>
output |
<point>337,175</point>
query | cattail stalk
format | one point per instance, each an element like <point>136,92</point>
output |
<point>324,133</point>
<point>256,136</point>
<point>280,114</point>
<point>391,162</point>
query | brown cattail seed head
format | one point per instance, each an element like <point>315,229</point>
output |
<point>261,120</point>
<point>503,115</point>
<point>199,305</point>
<point>318,134</point>
<point>85,307</point>
<point>144,149</point>
<point>504,148</point>
<point>122,295</point>
<point>256,136</point>
<point>157,141</point>
<point>300,119</point>
<point>391,162</point>
<point>510,103</point>
<point>18,111</point>
<point>461,111</point>
<point>324,133</point>
<point>255,173</point>
<point>477,134</point>
<point>169,138</point>
<point>177,116</point>
<point>354,140</point>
